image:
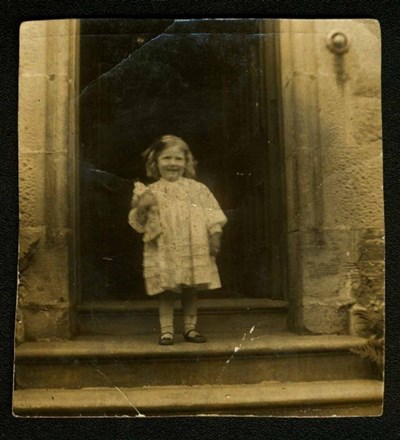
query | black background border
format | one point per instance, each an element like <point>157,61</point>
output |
<point>12,13</point>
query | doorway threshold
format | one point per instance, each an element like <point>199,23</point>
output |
<point>204,304</point>
<point>214,315</point>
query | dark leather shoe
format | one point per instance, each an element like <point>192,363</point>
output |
<point>166,339</point>
<point>194,336</point>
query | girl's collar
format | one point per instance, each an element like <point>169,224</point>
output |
<point>180,180</point>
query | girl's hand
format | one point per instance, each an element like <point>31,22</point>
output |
<point>215,243</point>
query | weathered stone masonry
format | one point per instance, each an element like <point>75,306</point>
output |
<point>47,135</point>
<point>332,134</point>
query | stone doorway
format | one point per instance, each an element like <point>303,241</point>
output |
<point>72,359</point>
<point>214,83</point>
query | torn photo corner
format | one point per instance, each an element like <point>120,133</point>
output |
<point>250,279</point>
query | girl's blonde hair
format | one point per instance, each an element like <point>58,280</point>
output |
<point>153,153</point>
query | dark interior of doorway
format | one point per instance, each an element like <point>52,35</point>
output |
<point>202,80</point>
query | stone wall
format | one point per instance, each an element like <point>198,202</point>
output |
<point>46,177</point>
<point>332,134</point>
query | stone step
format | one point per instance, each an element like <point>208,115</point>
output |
<point>94,361</point>
<point>317,398</point>
<point>215,316</point>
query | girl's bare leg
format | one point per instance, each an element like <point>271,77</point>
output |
<point>166,311</point>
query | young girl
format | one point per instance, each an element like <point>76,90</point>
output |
<point>182,226</point>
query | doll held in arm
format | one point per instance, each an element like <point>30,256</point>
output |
<point>146,211</point>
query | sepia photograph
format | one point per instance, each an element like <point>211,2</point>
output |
<point>201,218</point>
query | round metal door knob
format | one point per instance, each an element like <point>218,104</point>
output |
<point>338,42</point>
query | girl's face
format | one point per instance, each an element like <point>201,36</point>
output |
<point>171,163</point>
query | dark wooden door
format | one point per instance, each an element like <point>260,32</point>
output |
<point>201,80</point>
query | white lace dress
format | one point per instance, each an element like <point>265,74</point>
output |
<point>180,255</point>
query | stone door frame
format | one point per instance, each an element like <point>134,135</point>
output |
<point>48,155</point>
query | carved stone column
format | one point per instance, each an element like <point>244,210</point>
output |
<point>330,88</point>
<point>47,148</point>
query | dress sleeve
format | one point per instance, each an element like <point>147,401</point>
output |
<point>215,217</point>
<point>133,221</point>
